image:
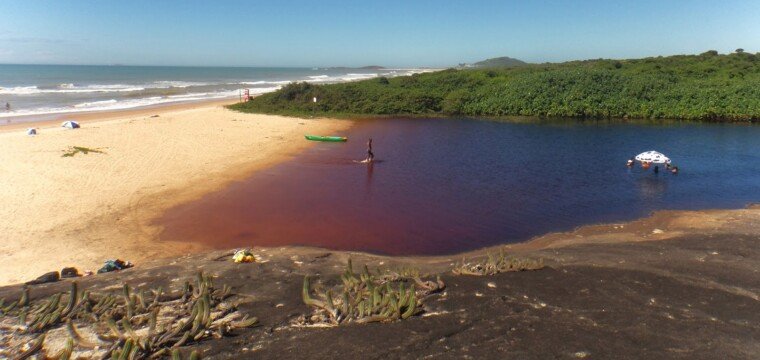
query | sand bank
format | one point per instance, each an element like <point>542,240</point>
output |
<point>79,211</point>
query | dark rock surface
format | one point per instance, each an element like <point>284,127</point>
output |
<point>691,297</point>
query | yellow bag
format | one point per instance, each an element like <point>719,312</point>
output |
<point>243,256</point>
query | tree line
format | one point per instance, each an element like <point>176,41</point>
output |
<point>708,86</point>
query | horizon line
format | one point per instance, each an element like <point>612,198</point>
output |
<point>383,66</point>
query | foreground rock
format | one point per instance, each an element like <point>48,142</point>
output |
<point>694,296</point>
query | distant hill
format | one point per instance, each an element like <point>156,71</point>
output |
<point>500,62</point>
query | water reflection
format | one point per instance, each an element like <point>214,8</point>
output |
<point>652,188</point>
<point>368,182</point>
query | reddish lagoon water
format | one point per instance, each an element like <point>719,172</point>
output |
<point>449,185</point>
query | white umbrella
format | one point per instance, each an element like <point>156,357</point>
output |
<point>653,157</point>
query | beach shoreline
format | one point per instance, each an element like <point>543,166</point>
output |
<point>81,210</point>
<point>89,208</point>
<point>55,119</point>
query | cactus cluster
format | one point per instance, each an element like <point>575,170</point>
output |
<point>131,325</point>
<point>366,297</point>
<point>495,264</point>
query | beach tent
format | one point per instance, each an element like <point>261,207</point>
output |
<point>652,157</point>
<point>70,124</point>
<point>31,131</point>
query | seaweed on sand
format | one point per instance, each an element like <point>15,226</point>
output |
<point>73,150</point>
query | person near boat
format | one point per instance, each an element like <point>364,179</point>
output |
<point>650,158</point>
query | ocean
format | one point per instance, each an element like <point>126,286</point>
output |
<point>36,90</point>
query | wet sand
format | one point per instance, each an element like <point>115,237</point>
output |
<point>81,210</point>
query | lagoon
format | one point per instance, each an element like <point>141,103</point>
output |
<point>443,186</point>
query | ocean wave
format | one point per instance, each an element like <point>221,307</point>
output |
<point>256,91</point>
<point>95,103</point>
<point>113,104</point>
<point>187,96</point>
<point>264,82</point>
<point>67,89</point>
<point>72,88</point>
<point>179,84</point>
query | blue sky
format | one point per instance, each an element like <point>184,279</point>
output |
<point>357,33</point>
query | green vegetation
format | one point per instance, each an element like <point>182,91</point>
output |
<point>708,86</point>
<point>500,62</point>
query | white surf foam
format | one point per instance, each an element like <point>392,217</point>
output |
<point>177,84</point>
<point>263,82</point>
<point>95,104</point>
<point>68,89</point>
<point>113,104</point>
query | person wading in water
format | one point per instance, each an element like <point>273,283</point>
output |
<point>370,155</point>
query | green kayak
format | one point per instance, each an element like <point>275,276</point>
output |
<point>326,138</point>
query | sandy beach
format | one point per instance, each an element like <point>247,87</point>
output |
<point>79,211</point>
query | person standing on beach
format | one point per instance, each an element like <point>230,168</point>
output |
<point>370,154</point>
<point>7,106</point>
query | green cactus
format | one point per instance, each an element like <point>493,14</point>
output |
<point>33,348</point>
<point>127,325</point>
<point>134,312</point>
<point>307,299</point>
<point>114,328</point>
<point>68,349</point>
<point>411,306</point>
<point>125,351</point>
<point>24,301</point>
<point>246,322</point>
<point>73,298</point>
<point>183,340</point>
